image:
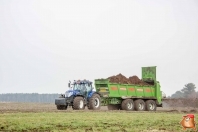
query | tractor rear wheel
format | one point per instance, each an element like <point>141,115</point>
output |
<point>61,107</point>
<point>94,102</point>
<point>127,104</point>
<point>78,103</point>
<point>150,105</point>
<point>139,105</point>
<point>113,106</point>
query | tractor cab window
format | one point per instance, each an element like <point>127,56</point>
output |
<point>77,86</point>
<point>89,87</point>
<point>80,87</point>
<point>83,87</point>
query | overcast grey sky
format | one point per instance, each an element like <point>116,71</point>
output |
<point>46,43</point>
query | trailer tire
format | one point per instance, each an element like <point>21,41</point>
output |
<point>139,105</point>
<point>61,107</point>
<point>127,104</point>
<point>95,102</point>
<point>113,106</point>
<point>151,105</point>
<point>78,103</point>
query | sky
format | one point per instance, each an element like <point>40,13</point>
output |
<point>46,43</point>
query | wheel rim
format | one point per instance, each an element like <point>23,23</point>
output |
<point>141,106</point>
<point>81,104</point>
<point>96,102</point>
<point>151,106</point>
<point>129,105</point>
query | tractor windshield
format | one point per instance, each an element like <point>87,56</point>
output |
<point>77,87</point>
<point>85,87</point>
<point>89,87</point>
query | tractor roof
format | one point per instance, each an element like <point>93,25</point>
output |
<point>82,82</point>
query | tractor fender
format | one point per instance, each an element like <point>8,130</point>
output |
<point>79,96</point>
<point>93,92</point>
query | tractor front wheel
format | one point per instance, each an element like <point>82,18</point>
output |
<point>78,103</point>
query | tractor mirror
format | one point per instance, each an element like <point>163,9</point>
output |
<point>69,85</point>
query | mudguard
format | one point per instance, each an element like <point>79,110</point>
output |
<point>91,93</point>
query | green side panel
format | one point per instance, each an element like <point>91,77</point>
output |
<point>158,93</point>
<point>114,90</point>
<point>149,92</point>
<point>101,85</point>
<point>131,90</point>
<point>101,81</point>
<point>139,91</point>
<point>153,92</point>
<point>122,90</point>
<point>149,74</point>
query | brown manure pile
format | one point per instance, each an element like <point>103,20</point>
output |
<point>118,79</point>
<point>124,80</point>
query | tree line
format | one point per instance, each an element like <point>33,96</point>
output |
<point>28,97</point>
<point>188,91</point>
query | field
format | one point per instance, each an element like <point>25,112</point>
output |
<point>45,117</point>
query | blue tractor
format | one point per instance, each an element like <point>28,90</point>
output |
<point>79,96</point>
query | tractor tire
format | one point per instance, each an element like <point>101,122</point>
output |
<point>113,106</point>
<point>151,105</point>
<point>127,104</point>
<point>88,107</point>
<point>78,103</point>
<point>61,107</point>
<point>95,102</point>
<point>139,105</point>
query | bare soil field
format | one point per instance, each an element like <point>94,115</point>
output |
<point>45,117</point>
<point>10,107</point>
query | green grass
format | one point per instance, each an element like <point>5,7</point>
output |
<point>91,121</point>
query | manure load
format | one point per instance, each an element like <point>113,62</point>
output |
<point>123,80</point>
<point>122,93</point>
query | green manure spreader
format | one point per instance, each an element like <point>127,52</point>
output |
<point>140,95</point>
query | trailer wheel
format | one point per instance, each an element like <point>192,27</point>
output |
<point>78,103</point>
<point>61,107</point>
<point>150,105</point>
<point>139,105</point>
<point>94,102</point>
<point>127,104</point>
<point>113,106</point>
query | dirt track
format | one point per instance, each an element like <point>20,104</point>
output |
<point>6,107</point>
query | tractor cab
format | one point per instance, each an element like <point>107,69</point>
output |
<point>79,88</point>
